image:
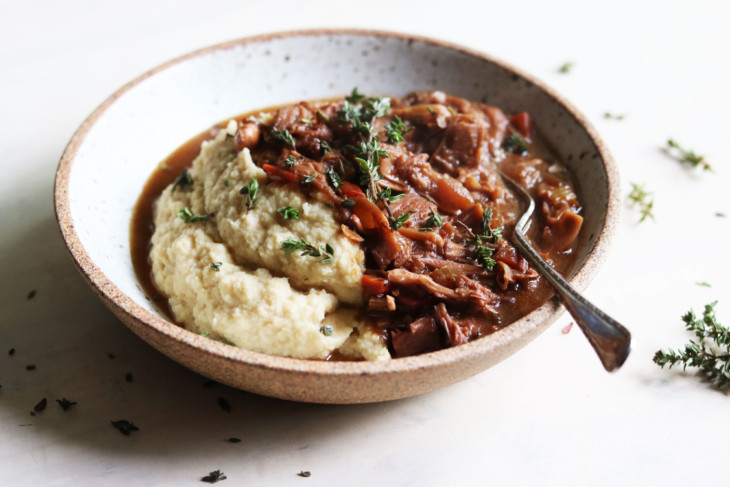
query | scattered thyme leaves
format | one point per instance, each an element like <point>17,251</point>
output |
<point>688,156</point>
<point>213,477</point>
<point>333,178</point>
<point>224,404</point>
<point>483,256</point>
<point>290,161</point>
<point>710,353</point>
<point>65,403</point>
<point>189,217</point>
<point>326,330</point>
<point>395,130</point>
<point>289,213</point>
<point>434,221</point>
<point>703,284</point>
<point>216,266</point>
<point>307,180</point>
<point>183,181</point>
<point>125,427</point>
<point>251,190</point>
<point>515,144</point>
<point>31,294</point>
<point>489,234</point>
<point>291,245</point>
<point>398,221</point>
<point>30,367</point>
<point>284,137</point>
<point>355,96</point>
<point>40,406</point>
<point>611,116</point>
<point>305,473</point>
<point>641,199</point>
<point>567,67</point>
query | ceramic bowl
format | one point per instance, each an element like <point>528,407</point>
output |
<point>112,154</point>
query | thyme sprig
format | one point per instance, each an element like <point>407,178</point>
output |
<point>284,137</point>
<point>434,221</point>
<point>640,198</point>
<point>395,130</point>
<point>288,212</point>
<point>398,221</point>
<point>291,245</point>
<point>710,352</point>
<point>515,144</point>
<point>251,190</point>
<point>483,253</point>
<point>189,217</point>
<point>183,181</point>
<point>688,156</point>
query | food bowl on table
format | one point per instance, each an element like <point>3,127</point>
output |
<point>111,156</point>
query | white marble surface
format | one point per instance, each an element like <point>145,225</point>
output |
<point>547,416</point>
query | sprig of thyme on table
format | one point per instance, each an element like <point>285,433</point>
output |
<point>640,198</point>
<point>687,156</point>
<point>710,353</point>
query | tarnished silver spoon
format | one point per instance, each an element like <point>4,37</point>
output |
<point>609,338</point>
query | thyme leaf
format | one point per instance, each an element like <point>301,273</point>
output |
<point>213,477</point>
<point>566,67</point>
<point>515,144</point>
<point>483,256</point>
<point>291,245</point>
<point>65,403</point>
<point>289,213</point>
<point>125,427</point>
<point>284,137</point>
<point>251,190</point>
<point>333,178</point>
<point>183,181</point>
<point>216,266</point>
<point>189,217</point>
<point>434,221</point>
<point>326,330</point>
<point>398,221</point>
<point>290,161</point>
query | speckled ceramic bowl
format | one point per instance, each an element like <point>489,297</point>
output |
<point>114,151</point>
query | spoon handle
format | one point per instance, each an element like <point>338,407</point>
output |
<point>609,338</point>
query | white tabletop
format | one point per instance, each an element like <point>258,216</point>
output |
<point>547,416</point>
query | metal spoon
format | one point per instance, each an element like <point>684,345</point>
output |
<point>609,338</point>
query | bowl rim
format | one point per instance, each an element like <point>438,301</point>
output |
<point>125,307</point>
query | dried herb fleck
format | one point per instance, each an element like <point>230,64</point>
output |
<point>31,294</point>
<point>214,476</point>
<point>326,330</point>
<point>30,367</point>
<point>216,266</point>
<point>65,403</point>
<point>11,352</point>
<point>40,406</point>
<point>125,427</point>
<point>305,473</point>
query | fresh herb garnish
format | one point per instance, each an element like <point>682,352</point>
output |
<point>324,147</point>
<point>398,221</point>
<point>431,110</point>
<point>434,221</point>
<point>386,196</point>
<point>689,157</point>
<point>322,115</point>
<point>611,116</point>
<point>226,183</point>
<point>710,353</point>
<point>333,178</point>
<point>307,180</point>
<point>216,266</point>
<point>355,96</point>
<point>567,67</point>
<point>326,330</point>
<point>395,130</point>
<point>483,256</point>
<point>251,190</point>
<point>125,427</point>
<point>515,144</point>
<point>183,181</point>
<point>348,203</point>
<point>642,199</point>
<point>289,213</point>
<point>224,404</point>
<point>489,234</point>
<point>305,120</point>
<point>189,217</point>
<point>291,245</point>
<point>284,137</point>
<point>290,161</point>
<point>65,403</point>
<point>305,473</point>
<point>703,284</point>
<point>213,477</point>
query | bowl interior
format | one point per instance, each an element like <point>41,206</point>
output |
<point>115,151</point>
